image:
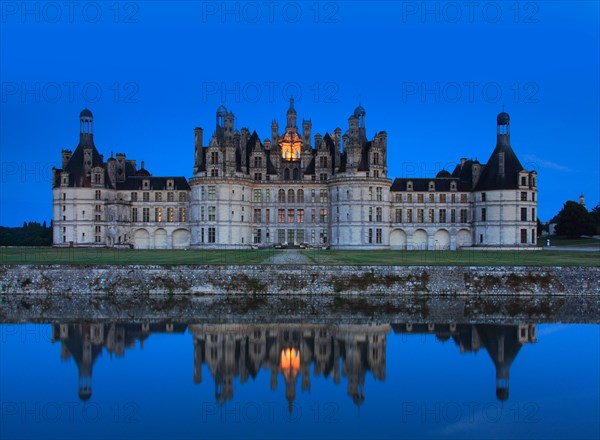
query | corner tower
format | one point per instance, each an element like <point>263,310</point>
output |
<point>505,196</point>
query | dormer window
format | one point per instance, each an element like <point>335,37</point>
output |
<point>146,184</point>
<point>170,184</point>
<point>409,185</point>
<point>452,186</point>
<point>431,186</point>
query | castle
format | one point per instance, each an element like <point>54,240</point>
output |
<point>234,353</point>
<point>288,190</point>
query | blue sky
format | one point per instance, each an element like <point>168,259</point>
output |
<point>432,74</point>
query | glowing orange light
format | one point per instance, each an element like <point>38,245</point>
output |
<point>290,359</point>
<point>291,146</point>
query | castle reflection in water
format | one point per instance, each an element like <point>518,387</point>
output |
<point>232,351</point>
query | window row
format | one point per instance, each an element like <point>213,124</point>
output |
<point>523,216</point>
<point>268,236</point>
<point>524,196</point>
<point>283,215</point>
<point>158,196</point>
<point>431,198</point>
<point>290,196</point>
<point>289,236</point>
<point>528,181</point>
<point>442,216</point>
<point>169,215</point>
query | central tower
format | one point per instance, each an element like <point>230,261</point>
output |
<point>291,143</point>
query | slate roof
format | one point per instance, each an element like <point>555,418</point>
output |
<point>134,183</point>
<point>133,177</point>
<point>491,178</point>
<point>422,184</point>
<point>331,146</point>
<point>310,169</point>
<point>364,157</point>
<point>464,172</point>
<point>74,167</point>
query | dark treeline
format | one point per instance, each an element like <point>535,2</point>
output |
<point>30,234</point>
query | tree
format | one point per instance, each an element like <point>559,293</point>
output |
<point>30,234</point>
<point>595,213</point>
<point>574,220</point>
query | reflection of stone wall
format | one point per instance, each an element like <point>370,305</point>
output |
<point>241,351</point>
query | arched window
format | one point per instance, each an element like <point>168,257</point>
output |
<point>286,174</point>
<point>281,197</point>
<point>296,174</point>
<point>291,196</point>
<point>300,196</point>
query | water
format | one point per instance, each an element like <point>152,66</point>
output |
<point>76,380</point>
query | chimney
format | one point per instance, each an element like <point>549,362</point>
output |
<point>318,140</point>
<point>66,155</point>
<point>111,165</point>
<point>274,132</point>
<point>306,129</point>
<point>476,172</point>
<point>120,167</point>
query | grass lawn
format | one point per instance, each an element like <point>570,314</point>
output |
<point>217,257</point>
<point>456,258</point>
<point>50,255</point>
<point>570,242</point>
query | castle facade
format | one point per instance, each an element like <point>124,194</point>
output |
<point>292,189</point>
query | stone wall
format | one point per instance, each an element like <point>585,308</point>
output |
<point>292,293</point>
<point>299,280</point>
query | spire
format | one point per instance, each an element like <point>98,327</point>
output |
<point>502,168</point>
<point>291,115</point>
<point>292,109</point>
